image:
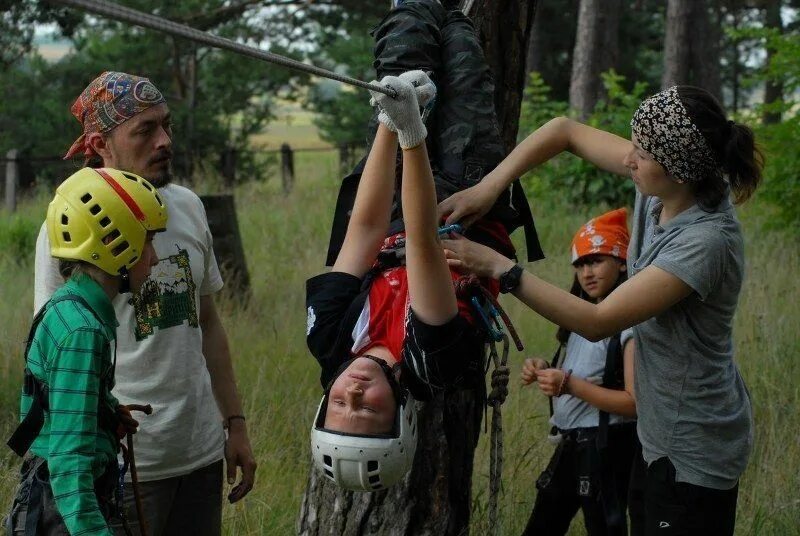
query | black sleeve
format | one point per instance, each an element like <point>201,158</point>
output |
<point>333,301</point>
<point>441,357</point>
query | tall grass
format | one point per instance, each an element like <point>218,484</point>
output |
<point>285,241</point>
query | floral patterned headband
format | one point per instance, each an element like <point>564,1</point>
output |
<point>663,128</point>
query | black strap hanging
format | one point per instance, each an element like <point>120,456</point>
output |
<point>28,429</point>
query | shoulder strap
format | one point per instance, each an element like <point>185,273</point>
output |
<point>613,378</point>
<point>28,429</point>
<point>554,364</point>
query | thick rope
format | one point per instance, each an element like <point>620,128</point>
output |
<point>153,22</point>
<point>495,399</point>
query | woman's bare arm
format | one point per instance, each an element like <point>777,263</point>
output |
<point>603,149</point>
<point>643,296</point>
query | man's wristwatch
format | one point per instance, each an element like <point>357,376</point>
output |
<point>510,280</point>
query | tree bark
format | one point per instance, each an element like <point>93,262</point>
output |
<point>691,46</point>
<point>505,27</point>
<point>435,499</point>
<point>596,51</point>
<point>536,41</point>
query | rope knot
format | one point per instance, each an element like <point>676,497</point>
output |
<point>499,393</point>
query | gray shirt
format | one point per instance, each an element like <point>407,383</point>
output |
<point>692,404</point>
<point>587,360</point>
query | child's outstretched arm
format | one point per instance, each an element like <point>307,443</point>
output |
<point>429,283</point>
<point>372,208</point>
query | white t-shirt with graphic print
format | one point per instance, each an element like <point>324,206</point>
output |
<point>159,343</point>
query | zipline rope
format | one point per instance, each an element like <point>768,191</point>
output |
<point>153,22</point>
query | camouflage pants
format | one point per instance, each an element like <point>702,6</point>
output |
<point>464,141</point>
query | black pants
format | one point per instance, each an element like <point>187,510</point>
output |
<point>576,477</point>
<point>677,508</point>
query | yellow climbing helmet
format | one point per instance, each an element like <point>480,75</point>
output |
<point>102,216</point>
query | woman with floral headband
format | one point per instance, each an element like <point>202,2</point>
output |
<point>685,265</point>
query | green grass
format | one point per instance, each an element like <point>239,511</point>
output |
<point>285,239</point>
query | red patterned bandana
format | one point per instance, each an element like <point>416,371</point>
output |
<point>108,101</point>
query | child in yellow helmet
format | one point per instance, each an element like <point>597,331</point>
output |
<point>100,224</point>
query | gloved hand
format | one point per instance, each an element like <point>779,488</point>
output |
<point>403,110</point>
<point>424,87</point>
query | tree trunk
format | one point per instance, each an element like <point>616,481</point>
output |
<point>536,42</point>
<point>773,91</point>
<point>436,497</point>
<point>596,46</point>
<point>691,46</point>
<point>677,43</point>
<point>706,49</point>
<point>504,27</point>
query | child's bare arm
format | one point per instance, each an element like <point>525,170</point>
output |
<point>619,402</point>
<point>430,285</point>
<point>371,211</point>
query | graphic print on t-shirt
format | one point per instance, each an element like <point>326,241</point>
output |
<point>167,298</point>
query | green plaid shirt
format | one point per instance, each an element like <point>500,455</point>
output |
<point>71,354</point>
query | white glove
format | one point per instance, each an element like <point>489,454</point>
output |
<point>423,85</point>
<point>402,111</point>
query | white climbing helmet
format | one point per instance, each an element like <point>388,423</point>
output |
<point>366,462</point>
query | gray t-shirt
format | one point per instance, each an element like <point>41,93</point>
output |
<point>692,404</point>
<point>587,360</point>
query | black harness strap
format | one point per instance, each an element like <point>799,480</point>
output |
<point>28,429</point>
<point>613,378</point>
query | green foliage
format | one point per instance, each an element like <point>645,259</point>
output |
<point>779,141</point>
<point>782,172</point>
<point>342,112</point>
<point>231,100</point>
<point>566,176</point>
<point>18,237</point>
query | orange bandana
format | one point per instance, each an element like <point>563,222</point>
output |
<point>603,235</point>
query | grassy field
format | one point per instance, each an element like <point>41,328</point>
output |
<point>285,240</point>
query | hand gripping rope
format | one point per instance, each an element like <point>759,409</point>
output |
<point>145,20</point>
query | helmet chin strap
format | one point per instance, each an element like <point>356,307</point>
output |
<point>124,281</point>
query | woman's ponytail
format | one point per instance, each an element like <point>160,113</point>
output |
<point>742,161</point>
<point>733,145</point>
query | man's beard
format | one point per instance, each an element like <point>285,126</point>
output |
<point>163,178</point>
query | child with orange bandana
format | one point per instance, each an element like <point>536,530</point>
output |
<point>593,407</point>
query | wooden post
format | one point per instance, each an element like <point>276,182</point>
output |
<point>221,213</point>
<point>344,158</point>
<point>12,180</point>
<point>228,165</point>
<point>287,168</point>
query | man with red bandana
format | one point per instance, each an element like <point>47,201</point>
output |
<point>172,350</point>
